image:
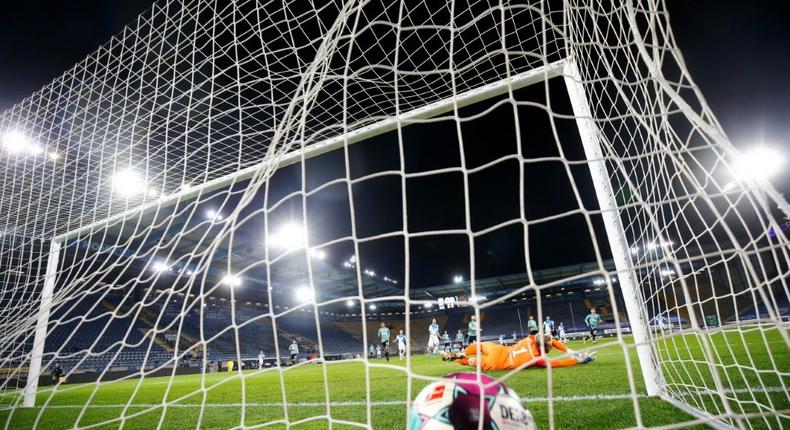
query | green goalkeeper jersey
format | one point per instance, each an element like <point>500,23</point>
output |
<point>593,320</point>
<point>384,334</point>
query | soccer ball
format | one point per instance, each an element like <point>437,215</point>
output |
<point>454,403</point>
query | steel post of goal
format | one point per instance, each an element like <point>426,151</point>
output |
<point>439,107</point>
<point>614,229</point>
<point>36,354</point>
<point>430,110</point>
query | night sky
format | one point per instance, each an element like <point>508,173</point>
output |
<point>738,56</point>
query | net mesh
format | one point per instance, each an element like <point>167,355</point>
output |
<point>222,180</point>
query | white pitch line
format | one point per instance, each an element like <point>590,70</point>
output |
<point>527,400</point>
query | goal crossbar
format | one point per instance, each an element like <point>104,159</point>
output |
<point>475,95</point>
<point>539,74</point>
<point>589,137</point>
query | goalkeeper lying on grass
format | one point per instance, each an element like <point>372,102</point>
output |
<point>526,353</point>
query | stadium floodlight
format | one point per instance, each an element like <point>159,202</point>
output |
<point>160,266</point>
<point>318,254</point>
<point>15,142</point>
<point>758,163</point>
<point>232,281</point>
<point>372,307</point>
<point>666,273</point>
<point>288,237</point>
<point>213,215</point>
<point>128,183</point>
<point>304,294</point>
<point>53,155</point>
<point>458,279</point>
<point>349,303</point>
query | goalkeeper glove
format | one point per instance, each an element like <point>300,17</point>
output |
<point>582,357</point>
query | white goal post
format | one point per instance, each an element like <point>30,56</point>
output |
<point>615,233</point>
<point>476,95</point>
<point>604,193</point>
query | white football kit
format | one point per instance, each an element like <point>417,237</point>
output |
<point>433,338</point>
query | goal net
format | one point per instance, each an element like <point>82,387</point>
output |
<point>205,222</point>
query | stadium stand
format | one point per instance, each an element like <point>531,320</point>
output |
<point>90,335</point>
<point>92,338</point>
<point>751,313</point>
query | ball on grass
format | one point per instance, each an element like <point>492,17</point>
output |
<point>454,403</point>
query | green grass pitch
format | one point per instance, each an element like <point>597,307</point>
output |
<point>597,395</point>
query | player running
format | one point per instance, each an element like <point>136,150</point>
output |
<point>433,337</point>
<point>525,353</point>
<point>261,356</point>
<point>473,330</point>
<point>384,338</point>
<point>532,325</point>
<point>592,320</point>
<point>401,338</point>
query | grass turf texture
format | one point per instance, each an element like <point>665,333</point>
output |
<point>592,396</point>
